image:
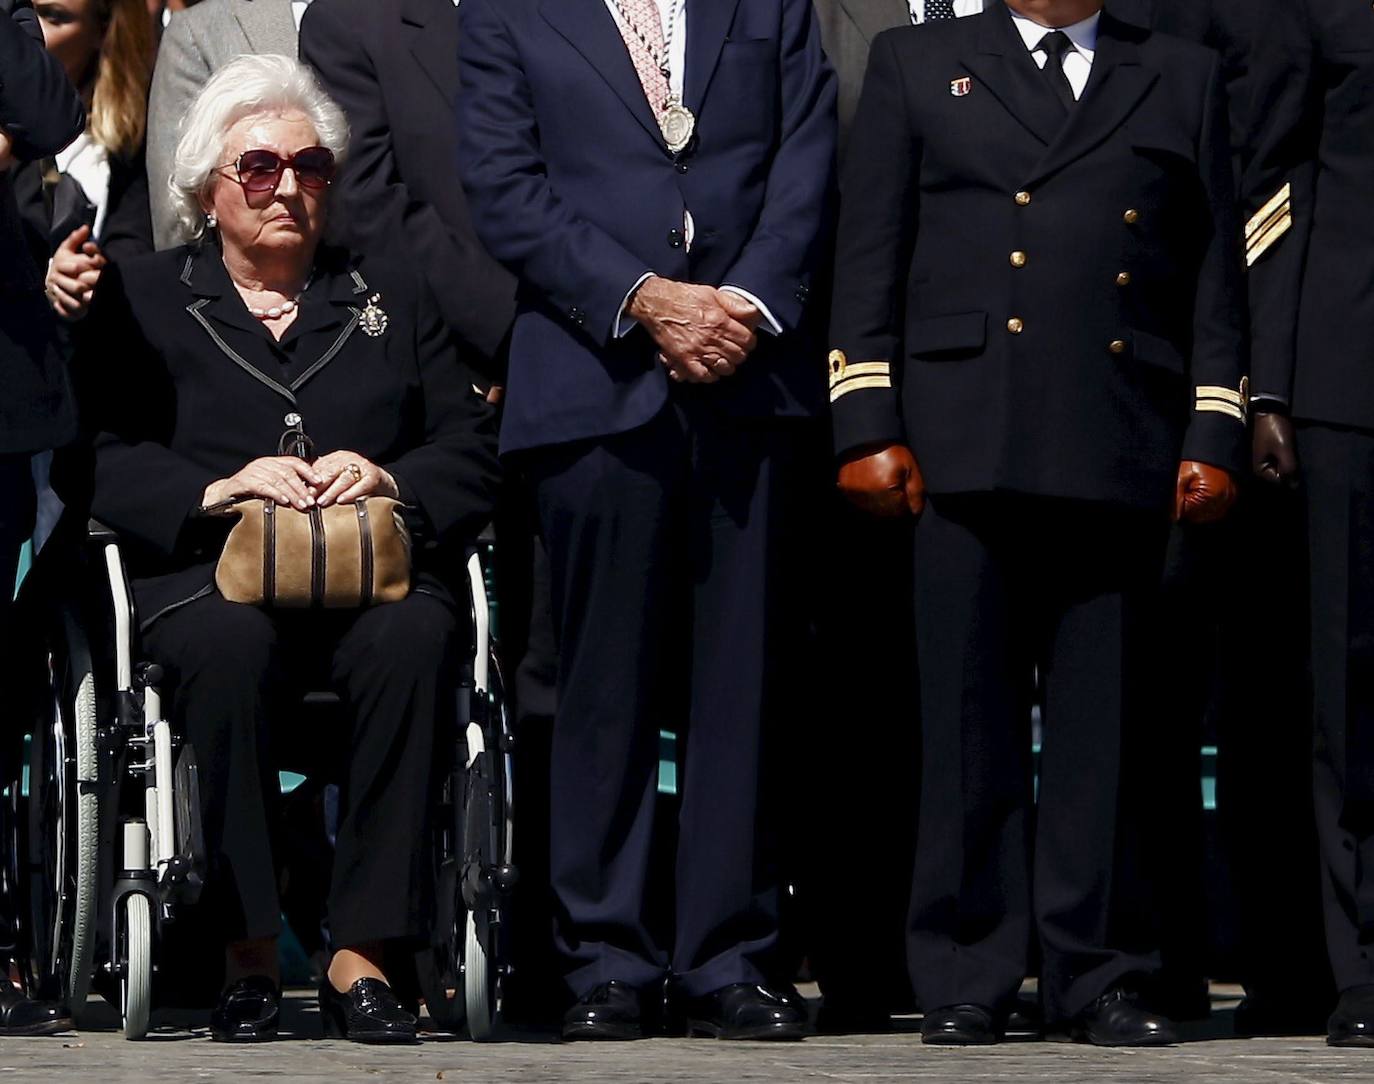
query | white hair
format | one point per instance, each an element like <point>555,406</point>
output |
<point>248,86</point>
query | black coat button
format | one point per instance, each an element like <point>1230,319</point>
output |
<point>682,167</point>
<point>675,238</point>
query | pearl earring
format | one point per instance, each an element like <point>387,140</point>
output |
<point>211,220</point>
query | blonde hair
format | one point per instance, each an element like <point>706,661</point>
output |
<point>119,103</point>
<point>248,86</point>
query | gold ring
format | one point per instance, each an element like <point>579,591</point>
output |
<point>356,471</point>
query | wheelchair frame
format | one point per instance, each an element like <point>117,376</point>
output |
<point>112,839</point>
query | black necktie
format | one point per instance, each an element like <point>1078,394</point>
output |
<point>939,9</point>
<point>1055,44</point>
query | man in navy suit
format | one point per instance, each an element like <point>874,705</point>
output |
<point>658,174</point>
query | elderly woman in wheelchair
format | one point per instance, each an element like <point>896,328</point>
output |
<point>209,375</point>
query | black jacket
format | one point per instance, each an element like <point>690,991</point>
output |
<point>180,386</point>
<point>393,67</point>
<point>1310,231</point>
<point>40,112</point>
<point>1033,303</point>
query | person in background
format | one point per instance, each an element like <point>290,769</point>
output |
<point>198,41</point>
<point>40,113</point>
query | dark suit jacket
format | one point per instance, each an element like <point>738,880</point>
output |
<point>848,28</point>
<point>40,112</point>
<point>1307,200</point>
<point>572,187</point>
<point>394,69</point>
<point>1056,299</point>
<point>180,385</point>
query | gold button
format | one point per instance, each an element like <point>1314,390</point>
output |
<point>1123,279</point>
<point>1132,216</point>
<point>1117,346</point>
<point>1015,325</point>
<point>1023,198</point>
<point>1018,259</point>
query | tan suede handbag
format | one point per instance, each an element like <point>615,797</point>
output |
<point>344,557</point>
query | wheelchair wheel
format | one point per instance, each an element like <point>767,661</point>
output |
<point>64,824</point>
<point>479,978</point>
<point>136,982</point>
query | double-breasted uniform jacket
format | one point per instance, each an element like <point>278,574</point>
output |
<point>1038,303</point>
<point>180,385</point>
<point>1309,231</point>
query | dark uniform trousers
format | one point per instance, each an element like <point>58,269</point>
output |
<point>237,673</point>
<point>670,569</point>
<point>1338,479</point>
<point>1007,585</point>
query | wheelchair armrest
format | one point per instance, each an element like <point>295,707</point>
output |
<point>98,532</point>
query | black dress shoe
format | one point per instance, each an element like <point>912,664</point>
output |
<point>612,1011</point>
<point>1118,1019</point>
<point>1352,1024</point>
<point>746,1011</point>
<point>21,1016</point>
<point>960,1025</point>
<point>369,1013</point>
<point>248,1011</point>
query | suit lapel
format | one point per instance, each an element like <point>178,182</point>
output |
<point>431,28</point>
<point>1116,86</point>
<point>268,25</point>
<point>1003,65</point>
<point>708,22</point>
<point>590,29</point>
<point>872,17</point>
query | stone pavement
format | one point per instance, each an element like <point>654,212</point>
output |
<point>174,1053</point>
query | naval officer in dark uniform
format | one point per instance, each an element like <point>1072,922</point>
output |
<point>1310,247</point>
<point>1039,353</point>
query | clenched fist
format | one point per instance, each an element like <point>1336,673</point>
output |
<point>1274,455</point>
<point>885,482</point>
<point>1204,494</point>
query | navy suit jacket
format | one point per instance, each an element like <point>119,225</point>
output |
<point>572,187</point>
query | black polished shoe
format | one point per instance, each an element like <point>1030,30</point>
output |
<point>248,1011</point>
<point>960,1025</point>
<point>1352,1024</point>
<point>21,1016</point>
<point>746,1011</point>
<point>369,1013</point>
<point>1118,1019</point>
<point>612,1011</point>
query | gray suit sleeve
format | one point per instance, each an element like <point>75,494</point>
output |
<point>182,70</point>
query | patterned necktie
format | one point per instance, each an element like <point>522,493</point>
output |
<point>641,26</point>
<point>1055,44</point>
<point>939,9</point>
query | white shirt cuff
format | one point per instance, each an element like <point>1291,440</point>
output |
<point>624,324</point>
<point>769,324</point>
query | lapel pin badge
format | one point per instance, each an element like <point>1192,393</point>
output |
<point>960,87</point>
<point>373,319</point>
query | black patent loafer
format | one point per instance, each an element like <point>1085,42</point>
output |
<point>746,1011</point>
<point>248,1011</point>
<point>19,1015</point>
<point>960,1025</point>
<point>1117,1018</point>
<point>369,1013</point>
<point>1352,1024</point>
<point>611,1012</point>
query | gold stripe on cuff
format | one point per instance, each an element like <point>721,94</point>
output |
<point>859,368</point>
<point>858,383</point>
<point>1214,406</point>
<point>1266,240</point>
<point>1213,391</point>
<point>1281,200</point>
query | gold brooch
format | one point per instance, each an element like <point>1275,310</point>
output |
<point>373,318</point>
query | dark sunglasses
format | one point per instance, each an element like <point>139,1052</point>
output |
<point>261,171</point>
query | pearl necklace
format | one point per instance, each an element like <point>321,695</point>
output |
<point>276,312</point>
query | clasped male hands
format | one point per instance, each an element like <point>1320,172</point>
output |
<point>702,333</point>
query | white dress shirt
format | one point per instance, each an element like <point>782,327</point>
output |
<point>86,162</point>
<point>1078,60</point>
<point>961,8</point>
<point>298,11</point>
<point>674,13</point>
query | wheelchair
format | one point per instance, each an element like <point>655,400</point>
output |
<point>102,816</point>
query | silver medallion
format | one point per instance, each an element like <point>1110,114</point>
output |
<point>373,319</point>
<point>677,124</point>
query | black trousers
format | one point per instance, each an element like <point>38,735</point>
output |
<point>1338,479</point>
<point>670,570</point>
<point>1006,585</point>
<point>236,673</point>
<point>16,524</point>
